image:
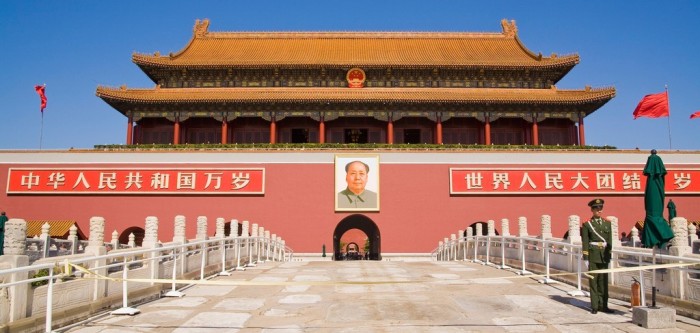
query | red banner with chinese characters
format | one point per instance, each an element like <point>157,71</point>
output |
<point>220,181</point>
<point>489,181</point>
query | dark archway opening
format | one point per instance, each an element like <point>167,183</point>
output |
<point>364,224</point>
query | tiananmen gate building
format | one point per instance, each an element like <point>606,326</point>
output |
<point>358,89</point>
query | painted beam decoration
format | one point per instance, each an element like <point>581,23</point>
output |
<point>524,181</point>
<point>141,181</point>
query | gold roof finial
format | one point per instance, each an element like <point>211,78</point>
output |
<point>201,27</point>
<point>509,28</point>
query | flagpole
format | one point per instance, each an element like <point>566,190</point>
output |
<point>668,106</point>
<point>41,134</point>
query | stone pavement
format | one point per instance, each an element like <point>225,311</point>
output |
<point>431,297</point>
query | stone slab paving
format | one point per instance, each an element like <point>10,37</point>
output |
<point>427,297</point>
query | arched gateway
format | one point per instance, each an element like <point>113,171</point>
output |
<point>366,225</point>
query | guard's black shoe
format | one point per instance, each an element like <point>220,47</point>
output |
<point>594,311</point>
<point>607,310</point>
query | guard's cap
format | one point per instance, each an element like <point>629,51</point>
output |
<point>596,203</point>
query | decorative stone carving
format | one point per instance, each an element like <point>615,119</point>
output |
<point>15,237</point>
<point>244,229</point>
<point>201,227</point>
<point>505,228</point>
<point>692,233</point>
<point>679,225</point>
<point>220,225</point>
<point>97,231</point>
<point>180,224</point>
<point>479,229</point>
<point>575,229</point>
<point>546,222</point>
<point>233,228</point>
<point>470,232</point>
<point>491,224</point>
<point>634,235</point>
<point>150,237</point>
<point>615,229</point>
<point>522,226</point>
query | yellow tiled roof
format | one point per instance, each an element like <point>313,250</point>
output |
<point>58,229</point>
<point>362,49</point>
<point>365,95</point>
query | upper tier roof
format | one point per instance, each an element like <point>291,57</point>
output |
<point>350,49</point>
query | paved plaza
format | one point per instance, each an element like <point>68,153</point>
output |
<point>309,296</point>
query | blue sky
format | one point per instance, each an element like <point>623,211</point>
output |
<point>73,46</point>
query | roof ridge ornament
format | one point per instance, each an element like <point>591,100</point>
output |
<point>509,28</point>
<point>201,28</point>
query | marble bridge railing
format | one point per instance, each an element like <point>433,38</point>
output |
<point>66,289</point>
<point>546,256</point>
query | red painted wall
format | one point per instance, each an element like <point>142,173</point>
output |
<point>417,210</point>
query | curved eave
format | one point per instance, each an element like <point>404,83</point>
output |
<point>115,96</point>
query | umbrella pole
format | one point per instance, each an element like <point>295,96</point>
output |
<point>653,277</point>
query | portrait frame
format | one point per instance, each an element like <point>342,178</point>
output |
<point>341,184</point>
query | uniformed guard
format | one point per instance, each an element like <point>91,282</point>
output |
<point>597,247</point>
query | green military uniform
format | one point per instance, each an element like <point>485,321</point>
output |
<point>3,219</point>
<point>367,199</point>
<point>597,247</point>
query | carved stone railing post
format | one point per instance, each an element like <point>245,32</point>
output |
<point>679,247</point>
<point>220,227</point>
<point>179,235</point>
<point>245,238</point>
<point>574,229</point>
<point>115,240</point>
<point>453,246</point>
<point>522,226</point>
<point>275,246</point>
<point>255,243</point>
<point>546,222</point>
<point>132,240</point>
<point>150,236</point>
<point>460,243</point>
<point>491,225</point>
<point>150,241</point>
<point>267,241</point>
<point>45,240</point>
<point>261,244</point>
<point>96,247</point>
<point>233,228</point>
<point>201,228</point>
<point>478,230</point>
<point>615,229</point>
<point>73,238</point>
<point>692,234</point>
<point>14,307</point>
<point>634,237</point>
<point>505,227</point>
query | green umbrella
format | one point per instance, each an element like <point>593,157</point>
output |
<point>671,210</point>
<point>656,231</point>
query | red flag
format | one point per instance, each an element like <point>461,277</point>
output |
<point>652,106</point>
<point>42,94</point>
<point>695,115</point>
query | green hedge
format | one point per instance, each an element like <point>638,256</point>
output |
<point>342,146</point>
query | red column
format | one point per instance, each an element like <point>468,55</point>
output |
<point>390,132</point>
<point>224,131</point>
<point>438,131</point>
<point>487,131</point>
<point>321,131</point>
<point>176,135</point>
<point>273,130</point>
<point>535,133</point>
<point>581,132</point>
<point>129,131</point>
